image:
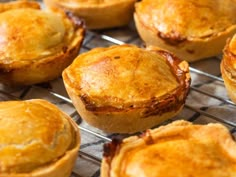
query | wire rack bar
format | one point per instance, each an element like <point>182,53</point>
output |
<point>205,74</point>
<point>109,38</point>
<point>213,96</point>
<point>61,97</point>
<point>95,134</point>
<point>13,97</point>
<point>227,122</point>
<point>112,40</point>
<point>90,157</point>
<point>74,174</point>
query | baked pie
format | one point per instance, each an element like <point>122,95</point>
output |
<point>35,45</point>
<point>96,13</point>
<point>177,149</point>
<point>126,89</point>
<point>191,29</point>
<point>228,67</point>
<point>37,139</point>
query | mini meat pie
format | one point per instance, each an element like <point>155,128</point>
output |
<point>178,149</point>
<point>35,45</point>
<point>190,29</point>
<point>228,68</point>
<point>37,139</point>
<point>96,13</point>
<point>126,89</point>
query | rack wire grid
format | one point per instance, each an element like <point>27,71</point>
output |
<point>207,101</point>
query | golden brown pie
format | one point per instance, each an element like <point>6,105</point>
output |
<point>98,14</point>
<point>35,45</point>
<point>178,149</point>
<point>228,68</point>
<point>192,30</point>
<point>126,89</point>
<point>37,139</point>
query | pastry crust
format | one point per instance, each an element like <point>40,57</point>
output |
<point>125,89</point>
<point>37,139</point>
<point>191,30</point>
<point>98,14</point>
<point>36,45</point>
<point>19,4</point>
<point>178,149</point>
<point>228,68</point>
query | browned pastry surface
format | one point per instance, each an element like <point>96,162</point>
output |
<point>178,149</point>
<point>126,88</point>
<point>190,29</point>
<point>37,139</point>
<point>96,13</point>
<point>36,45</point>
<point>228,67</point>
<point>18,4</point>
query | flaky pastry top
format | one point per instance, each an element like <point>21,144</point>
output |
<point>9,5</point>
<point>181,19</point>
<point>178,149</point>
<point>34,133</point>
<point>28,35</point>
<point>125,75</point>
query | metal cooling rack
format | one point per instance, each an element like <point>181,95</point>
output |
<point>207,101</point>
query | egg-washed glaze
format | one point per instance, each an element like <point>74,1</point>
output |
<point>177,149</point>
<point>193,30</point>
<point>36,45</point>
<point>28,35</point>
<point>180,20</point>
<point>123,76</point>
<point>129,83</point>
<point>35,135</point>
